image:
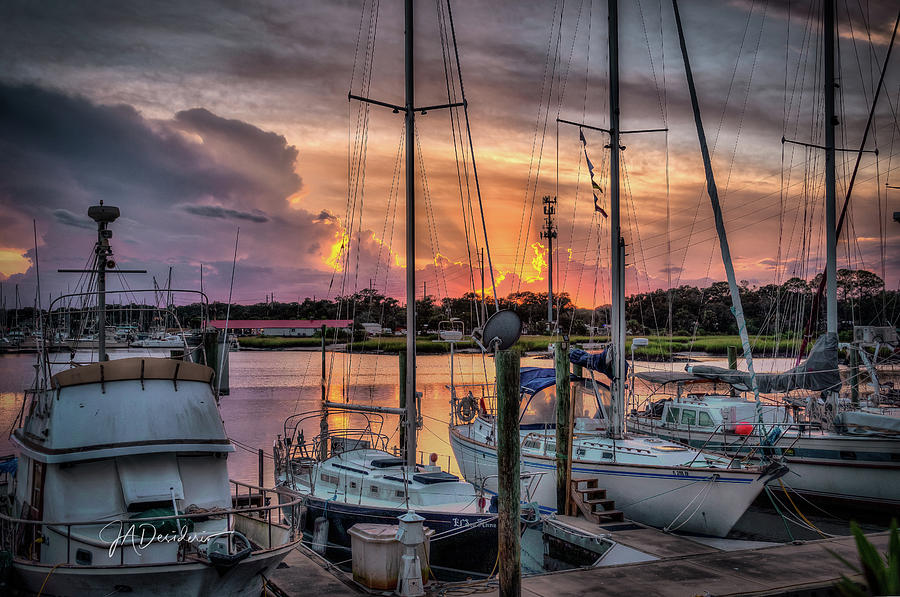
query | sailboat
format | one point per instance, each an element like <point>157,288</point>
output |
<point>647,479</point>
<point>122,482</point>
<point>347,476</point>
<point>850,457</point>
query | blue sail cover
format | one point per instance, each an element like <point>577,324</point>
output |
<point>9,465</point>
<point>599,362</point>
<point>534,379</point>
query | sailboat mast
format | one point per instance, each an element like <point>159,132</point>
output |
<point>410,239</point>
<point>830,122</point>
<point>618,243</point>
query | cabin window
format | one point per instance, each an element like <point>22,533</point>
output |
<point>534,444</point>
<point>329,479</point>
<point>83,557</point>
<point>37,485</point>
<point>705,419</point>
<point>608,455</point>
<point>373,488</point>
<point>848,455</point>
<point>672,415</point>
<point>399,493</point>
<point>352,484</point>
<point>688,417</point>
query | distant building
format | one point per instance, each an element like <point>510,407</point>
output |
<point>280,327</point>
<point>375,329</point>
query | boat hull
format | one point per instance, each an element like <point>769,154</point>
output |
<point>473,548</point>
<point>701,501</point>
<point>184,579</point>
<point>841,469</point>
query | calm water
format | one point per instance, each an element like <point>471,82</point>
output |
<point>268,386</point>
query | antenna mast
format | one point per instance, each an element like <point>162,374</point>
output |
<point>549,233</point>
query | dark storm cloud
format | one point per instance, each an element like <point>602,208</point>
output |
<point>61,151</point>
<point>216,211</point>
<point>180,183</point>
<point>64,216</point>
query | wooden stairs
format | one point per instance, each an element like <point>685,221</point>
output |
<point>591,501</point>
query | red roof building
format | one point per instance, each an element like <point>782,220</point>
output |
<point>282,327</point>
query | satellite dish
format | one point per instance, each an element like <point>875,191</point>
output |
<point>501,330</point>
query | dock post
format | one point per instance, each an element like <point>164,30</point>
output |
<point>402,405</point>
<point>215,359</point>
<point>261,468</point>
<point>509,481</point>
<point>563,425</point>
<point>732,357</point>
<point>732,363</point>
<point>578,371</point>
<point>323,422</point>
<point>854,377</point>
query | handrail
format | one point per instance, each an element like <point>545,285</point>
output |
<point>12,537</point>
<point>250,509</point>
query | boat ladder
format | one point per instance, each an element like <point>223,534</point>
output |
<point>592,502</point>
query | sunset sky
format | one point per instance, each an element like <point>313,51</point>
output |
<point>196,118</point>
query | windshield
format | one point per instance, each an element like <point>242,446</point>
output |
<point>540,409</point>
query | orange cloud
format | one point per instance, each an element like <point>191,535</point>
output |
<point>538,263</point>
<point>13,262</point>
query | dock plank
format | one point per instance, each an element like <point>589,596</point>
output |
<point>759,570</point>
<point>646,539</point>
<point>300,575</point>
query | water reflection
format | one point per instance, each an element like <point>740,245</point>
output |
<point>269,386</point>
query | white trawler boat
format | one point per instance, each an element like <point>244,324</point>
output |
<point>122,483</point>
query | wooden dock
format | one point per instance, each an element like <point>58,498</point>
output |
<point>304,573</point>
<point>793,569</point>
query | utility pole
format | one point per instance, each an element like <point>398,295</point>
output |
<point>549,233</point>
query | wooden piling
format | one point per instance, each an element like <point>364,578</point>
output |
<point>510,572</point>
<point>563,424</point>
<point>854,377</point>
<point>402,405</point>
<point>213,349</point>
<point>323,422</point>
<point>732,363</point>
<point>261,468</point>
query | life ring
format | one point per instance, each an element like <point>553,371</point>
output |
<point>466,408</point>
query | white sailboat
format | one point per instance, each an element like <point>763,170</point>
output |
<point>122,483</point>
<point>649,480</point>
<point>850,457</point>
<point>347,476</point>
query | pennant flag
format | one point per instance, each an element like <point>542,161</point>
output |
<point>598,208</point>
<point>594,184</point>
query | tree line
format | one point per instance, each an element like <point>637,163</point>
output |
<point>771,309</point>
